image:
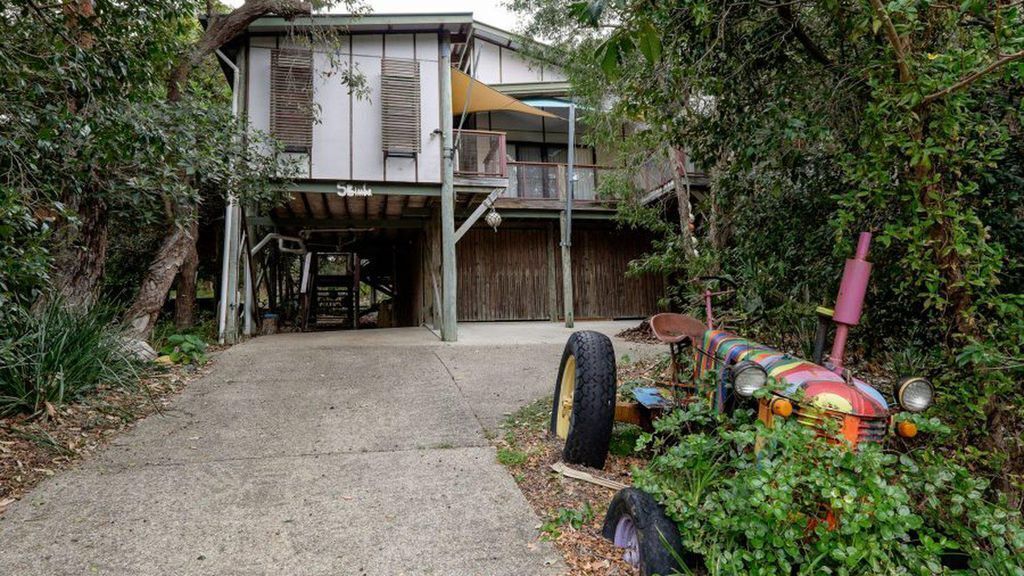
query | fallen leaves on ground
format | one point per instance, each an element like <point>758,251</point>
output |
<point>34,448</point>
<point>552,495</point>
<point>641,333</point>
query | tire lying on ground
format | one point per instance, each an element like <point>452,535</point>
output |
<point>650,540</point>
<point>583,410</point>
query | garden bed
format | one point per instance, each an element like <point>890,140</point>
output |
<point>572,511</point>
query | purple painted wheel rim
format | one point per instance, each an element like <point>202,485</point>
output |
<point>626,537</point>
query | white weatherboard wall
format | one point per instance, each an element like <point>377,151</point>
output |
<point>347,135</point>
<point>499,65</point>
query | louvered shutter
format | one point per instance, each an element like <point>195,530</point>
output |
<point>291,98</point>
<point>400,106</point>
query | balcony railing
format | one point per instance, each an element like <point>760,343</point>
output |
<point>656,172</point>
<point>541,180</point>
<point>480,154</point>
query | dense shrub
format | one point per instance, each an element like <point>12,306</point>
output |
<point>768,511</point>
<point>57,354</point>
<point>812,123</point>
<point>23,256</point>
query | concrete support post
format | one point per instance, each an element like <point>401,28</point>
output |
<point>248,295</point>
<point>228,313</point>
<point>449,326</point>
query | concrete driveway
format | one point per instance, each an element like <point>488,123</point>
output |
<point>330,453</point>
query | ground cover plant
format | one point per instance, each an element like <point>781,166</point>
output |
<point>805,504</point>
<point>184,349</point>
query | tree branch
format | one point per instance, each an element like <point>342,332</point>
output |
<point>971,78</point>
<point>894,40</point>
<point>226,28</point>
<point>786,13</point>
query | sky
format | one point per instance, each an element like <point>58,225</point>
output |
<point>489,12</point>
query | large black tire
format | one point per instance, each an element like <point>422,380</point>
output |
<point>660,548</point>
<point>592,417</point>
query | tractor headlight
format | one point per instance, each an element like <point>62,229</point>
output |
<point>915,394</point>
<point>747,378</point>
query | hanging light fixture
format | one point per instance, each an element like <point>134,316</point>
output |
<point>493,219</point>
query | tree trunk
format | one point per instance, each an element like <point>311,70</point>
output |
<point>143,314</point>
<point>82,245</point>
<point>185,302</point>
<point>181,242</point>
<point>681,182</point>
<point>80,262</point>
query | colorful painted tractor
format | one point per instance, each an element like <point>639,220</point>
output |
<point>585,406</point>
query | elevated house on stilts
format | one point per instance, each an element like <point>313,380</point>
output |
<point>454,190</point>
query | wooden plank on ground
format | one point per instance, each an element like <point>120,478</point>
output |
<point>564,470</point>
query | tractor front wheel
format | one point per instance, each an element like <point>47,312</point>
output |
<point>583,410</point>
<point>650,540</point>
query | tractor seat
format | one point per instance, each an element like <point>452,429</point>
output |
<point>673,328</point>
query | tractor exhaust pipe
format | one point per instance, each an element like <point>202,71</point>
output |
<point>850,300</point>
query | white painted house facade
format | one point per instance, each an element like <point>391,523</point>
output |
<point>388,214</point>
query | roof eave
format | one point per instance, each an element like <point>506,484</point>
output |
<point>454,22</point>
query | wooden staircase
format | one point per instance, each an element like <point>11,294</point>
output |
<point>334,302</point>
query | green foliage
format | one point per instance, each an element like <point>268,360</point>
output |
<point>811,125</point>
<point>185,349</point>
<point>23,254</point>
<point>205,330</point>
<point>87,128</point>
<point>567,518</point>
<point>58,354</point>
<point>511,457</point>
<point>767,512</point>
<point>624,437</point>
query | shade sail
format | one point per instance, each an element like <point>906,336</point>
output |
<point>483,98</point>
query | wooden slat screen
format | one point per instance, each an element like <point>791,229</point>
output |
<point>291,98</point>
<point>503,275</point>
<point>600,286</point>
<point>400,106</point>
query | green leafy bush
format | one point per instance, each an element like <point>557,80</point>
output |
<point>803,504</point>
<point>185,349</point>
<point>807,133</point>
<point>57,354</point>
<point>23,254</point>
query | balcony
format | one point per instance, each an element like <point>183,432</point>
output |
<point>652,178</point>
<point>545,181</point>
<point>480,154</point>
<point>481,164</point>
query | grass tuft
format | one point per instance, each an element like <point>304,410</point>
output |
<point>511,457</point>
<point>57,354</point>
